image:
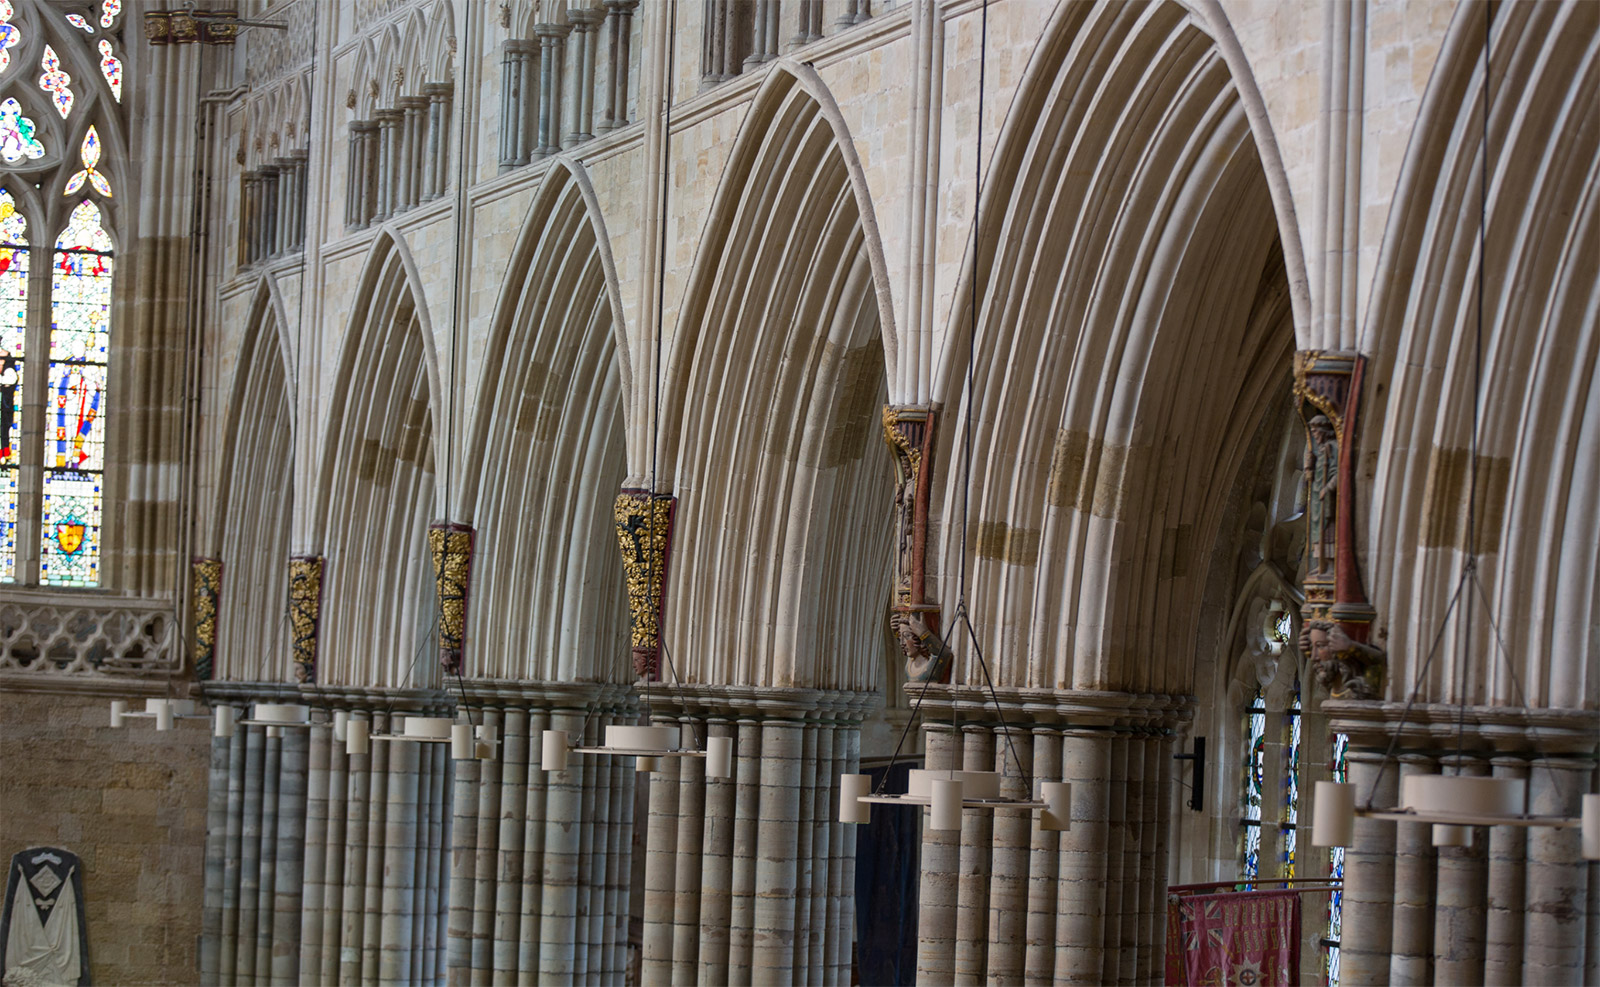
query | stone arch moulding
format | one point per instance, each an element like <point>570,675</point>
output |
<point>557,330</point>
<point>267,309</point>
<point>1541,349</point>
<point>377,486</point>
<point>798,355</point>
<point>1153,329</point>
<point>785,74</point>
<point>248,533</point>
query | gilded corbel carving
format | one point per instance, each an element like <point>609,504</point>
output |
<point>451,545</point>
<point>644,533</point>
<point>205,592</point>
<point>914,618</point>
<point>1336,616</point>
<point>305,614</point>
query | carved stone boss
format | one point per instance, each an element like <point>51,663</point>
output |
<point>914,619</point>
<point>644,533</point>
<point>205,589</point>
<point>451,546</point>
<point>1337,618</point>
<point>305,613</point>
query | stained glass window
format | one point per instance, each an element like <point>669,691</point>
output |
<point>17,140</point>
<point>1341,772</point>
<point>56,81</point>
<point>1254,779</point>
<point>77,21</point>
<point>80,302</point>
<point>111,68</point>
<point>10,34</point>
<point>89,153</point>
<point>13,340</point>
<point>109,9</point>
<point>1291,784</point>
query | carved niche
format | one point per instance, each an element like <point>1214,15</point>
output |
<point>644,533</point>
<point>1336,616</point>
<point>914,619</point>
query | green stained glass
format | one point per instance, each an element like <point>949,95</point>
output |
<point>13,339</point>
<point>1254,781</point>
<point>80,336</point>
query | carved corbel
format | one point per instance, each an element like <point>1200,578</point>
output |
<point>205,594</point>
<point>913,618</point>
<point>451,545</point>
<point>305,614</point>
<point>644,533</point>
<point>1337,618</point>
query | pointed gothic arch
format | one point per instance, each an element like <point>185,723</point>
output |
<point>1138,338</point>
<point>778,331</point>
<point>377,489</point>
<point>548,452</point>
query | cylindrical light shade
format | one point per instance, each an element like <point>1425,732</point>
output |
<point>719,757</point>
<point>641,738</point>
<point>946,804</point>
<point>554,753</point>
<point>645,763</point>
<point>1591,827</point>
<point>462,746</point>
<point>432,728</point>
<point>119,707</point>
<point>1463,795</point>
<point>274,732</point>
<point>356,738</point>
<point>164,716</point>
<point>1452,835</point>
<point>222,722</point>
<point>851,808</point>
<point>1057,814</point>
<point>341,725</point>
<point>488,737</point>
<point>1333,813</point>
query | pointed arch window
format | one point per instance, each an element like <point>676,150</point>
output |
<point>13,344</point>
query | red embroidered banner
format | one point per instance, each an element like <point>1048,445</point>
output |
<point>1248,938</point>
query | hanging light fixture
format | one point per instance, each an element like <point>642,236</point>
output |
<point>649,744</point>
<point>164,711</point>
<point>1453,804</point>
<point>947,792</point>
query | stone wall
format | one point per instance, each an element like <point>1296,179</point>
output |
<point>131,804</point>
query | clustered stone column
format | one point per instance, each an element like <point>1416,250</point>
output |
<point>751,879</point>
<point>619,26</point>
<point>540,862</point>
<point>1511,906</point>
<point>360,200</point>
<point>1003,900</point>
<point>400,158</point>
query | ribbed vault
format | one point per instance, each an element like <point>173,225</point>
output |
<point>781,548</point>
<point>1134,328</point>
<point>1539,436</point>
<point>254,502</point>
<point>548,578</point>
<point>376,494</point>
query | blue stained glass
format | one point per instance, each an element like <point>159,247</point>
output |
<point>1341,772</point>
<point>1291,786</point>
<point>1254,780</point>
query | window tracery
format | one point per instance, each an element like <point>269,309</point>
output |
<point>13,343</point>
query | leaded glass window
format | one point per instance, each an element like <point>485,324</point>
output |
<point>1291,783</point>
<point>1341,772</point>
<point>13,344</point>
<point>80,304</point>
<point>1254,780</point>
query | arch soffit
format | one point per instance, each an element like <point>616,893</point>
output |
<point>785,76</point>
<point>389,265</point>
<point>266,309</point>
<point>564,178</point>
